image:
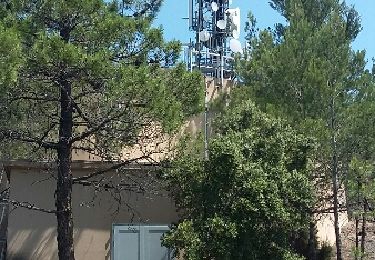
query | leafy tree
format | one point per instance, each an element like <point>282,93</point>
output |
<point>251,195</point>
<point>87,76</point>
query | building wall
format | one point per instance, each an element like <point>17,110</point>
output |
<point>32,234</point>
<point>325,221</point>
<point>326,229</point>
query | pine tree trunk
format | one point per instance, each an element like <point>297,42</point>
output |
<point>64,177</point>
<point>357,225</point>
<point>311,243</point>
<point>356,238</point>
<point>336,211</point>
<point>364,224</point>
<point>335,185</point>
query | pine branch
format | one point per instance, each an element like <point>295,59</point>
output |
<point>28,205</point>
<point>43,99</point>
<point>96,128</point>
<point>26,138</point>
<point>152,6</point>
<point>111,168</point>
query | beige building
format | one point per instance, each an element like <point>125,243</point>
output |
<point>32,234</point>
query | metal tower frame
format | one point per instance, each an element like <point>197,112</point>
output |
<point>216,27</point>
<point>209,51</point>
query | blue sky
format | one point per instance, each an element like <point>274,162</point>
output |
<point>175,27</point>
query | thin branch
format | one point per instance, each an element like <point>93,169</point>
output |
<point>28,205</point>
<point>112,168</point>
<point>23,137</point>
<point>96,128</point>
<point>138,188</point>
<point>81,114</point>
<point>43,180</point>
<point>330,209</point>
<point>44,99</point>
<point>148,7</point>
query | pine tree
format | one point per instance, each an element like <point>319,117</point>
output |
<point>360,149</point>
<point>304,71</point>
<point>87,76</point>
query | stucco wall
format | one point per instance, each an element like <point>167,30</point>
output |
<point>32,234</point>
<point>325,221</point>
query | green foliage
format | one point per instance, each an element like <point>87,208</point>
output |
<point>358,134</point>
<point>318,11</point>
<point>10,56</point>
<point>10,62</point>
<point>120,69</point>
<point>306,72</point>
<point>297,74</point>
<point>296,77</point>
<point>359,147</point>
<point>246,200</point>
<point>325,252</point>
<point>361,184</point>
<point>310,76</point>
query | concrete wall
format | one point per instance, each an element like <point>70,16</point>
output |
<point>325,221</point>
<point>32,234</point>
<point>325,227</point>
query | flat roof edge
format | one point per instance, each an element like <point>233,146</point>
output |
<point>80,164</point>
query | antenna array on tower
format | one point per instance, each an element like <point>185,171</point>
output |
<point>217,30</point>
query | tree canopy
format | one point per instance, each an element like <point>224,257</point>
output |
<point>306,72</point>
<point>86,76</point>
<point>249,197</point>
<point>115,64</point>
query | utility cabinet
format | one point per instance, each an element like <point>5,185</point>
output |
<point>139,242</point>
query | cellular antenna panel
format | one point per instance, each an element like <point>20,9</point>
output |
<point>217,29</point>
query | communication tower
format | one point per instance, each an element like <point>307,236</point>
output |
<point>217,30</point>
